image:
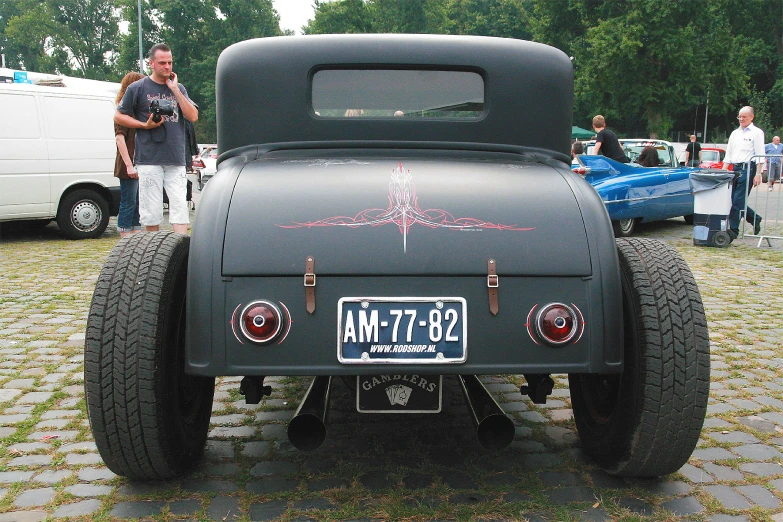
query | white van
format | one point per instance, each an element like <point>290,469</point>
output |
<point>57,153</point>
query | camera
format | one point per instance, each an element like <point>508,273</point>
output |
<point>160,108</point>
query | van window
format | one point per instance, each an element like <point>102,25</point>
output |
<point>88,119</point>
<point>20,117</point>
<point>379,93</point>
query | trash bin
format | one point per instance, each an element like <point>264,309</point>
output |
<point>711,206</point>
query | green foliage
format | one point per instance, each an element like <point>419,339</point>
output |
<point>762,119</point>
<point>502,18</point>
<point>341,16</point>
<point>74,37</point>
<point>641,62</point>
<point>128,59</point>
<point>647,65</point>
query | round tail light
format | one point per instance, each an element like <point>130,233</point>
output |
<point>556,324</point>
<point>261,322</point>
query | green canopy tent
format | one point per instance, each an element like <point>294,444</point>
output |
<point>578,133</point>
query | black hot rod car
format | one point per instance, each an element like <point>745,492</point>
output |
<point>391,209</point>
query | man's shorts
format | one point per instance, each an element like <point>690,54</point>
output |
<point>152,180</point>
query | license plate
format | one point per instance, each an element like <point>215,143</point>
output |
<point>399,393</point>
<point>378,330</point>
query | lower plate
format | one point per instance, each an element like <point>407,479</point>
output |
<point>399,393</point>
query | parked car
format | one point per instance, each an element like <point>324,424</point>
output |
<point>712,158</point>
<point>635,194</point>
<point>372,248</point>
<point>633,147</point>
<point>57,151</point>
<point>206,164</point>
<point>666,153</point>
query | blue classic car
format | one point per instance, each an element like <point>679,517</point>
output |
<point>633,193</point>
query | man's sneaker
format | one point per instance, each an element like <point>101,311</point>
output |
<point>757,226</point>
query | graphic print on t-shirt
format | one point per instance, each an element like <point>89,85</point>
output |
<point>172,99</point>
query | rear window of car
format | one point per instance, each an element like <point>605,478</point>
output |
<point>711,155</point>
<point>393,93</point>
<point>633,150</point>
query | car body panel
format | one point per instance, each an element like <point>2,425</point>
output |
<point>398,207</point>
<point>412,212</point>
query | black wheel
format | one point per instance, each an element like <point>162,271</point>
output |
<point>646,421</point>
<point>624,227</point>
<point>148,417</point>
<point>688,219</point>
<point>721,239</point>
<point>83,214</point>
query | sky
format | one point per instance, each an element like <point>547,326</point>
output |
<point>294,13</point>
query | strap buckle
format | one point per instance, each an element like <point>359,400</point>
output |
<point>492,285</point>
<point>309,283</point>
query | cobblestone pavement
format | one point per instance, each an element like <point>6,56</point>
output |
<point>378,467</point>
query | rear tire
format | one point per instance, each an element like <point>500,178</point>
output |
<point>624,227</point>
<point>646,421</point>
<point>149,419</point>
<point>83,214</point>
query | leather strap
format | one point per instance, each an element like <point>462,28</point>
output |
<point>492,286</point>
<point>309,284</point>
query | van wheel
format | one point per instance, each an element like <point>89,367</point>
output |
<point>646,421</point>
<point>83,214</point>
<point>624,227</point>
<point>148,417</point>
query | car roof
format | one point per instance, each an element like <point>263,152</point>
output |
<point>264,92</point>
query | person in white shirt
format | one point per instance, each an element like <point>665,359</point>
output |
<point>744,143</point>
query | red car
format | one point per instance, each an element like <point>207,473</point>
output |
<point>712,158</point>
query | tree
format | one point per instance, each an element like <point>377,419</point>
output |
<point>501,18</point>
<point>641,63</point>
<point>339,17</point>
<point>73,37</point>
<point>27,29</point>
<point>128,59</point>
<point>88,30</point>
<point>758,26</point>
<point>505,18</point>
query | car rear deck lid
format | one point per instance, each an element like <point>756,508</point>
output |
<point>405,216</point>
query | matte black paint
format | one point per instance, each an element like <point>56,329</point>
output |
<point>283,165</point>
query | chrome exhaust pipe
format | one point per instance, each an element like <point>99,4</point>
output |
<point>494,430</point>
<point>307,429</point>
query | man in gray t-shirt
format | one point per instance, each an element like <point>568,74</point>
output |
<point>160,145</point>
